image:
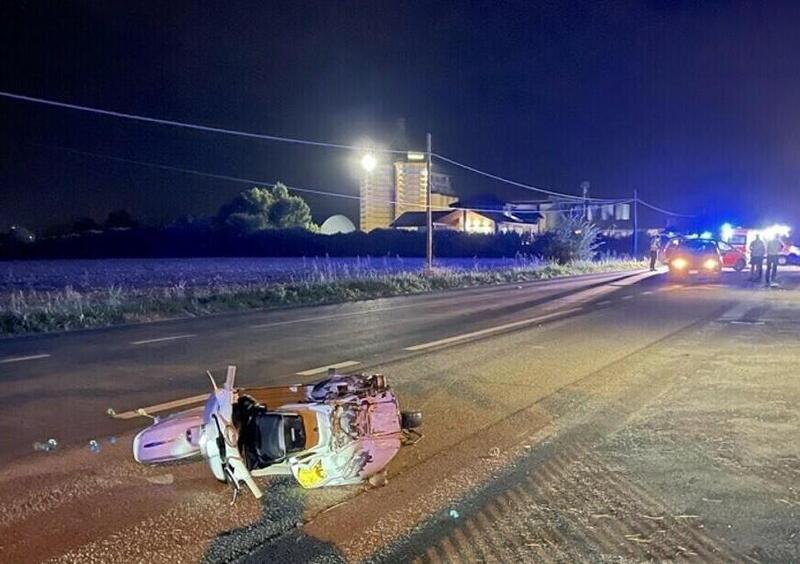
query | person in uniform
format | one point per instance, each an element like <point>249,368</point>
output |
<point>655,243</point>
<point>773,252</point>
<point>757,252</point>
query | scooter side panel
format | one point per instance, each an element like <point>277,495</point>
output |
<point>174,438</point>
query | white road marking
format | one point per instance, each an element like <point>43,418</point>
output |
<point>321,369</point>
<point>647,292</point>
<point>332,316</point>
<point>626,298</point>
<point>161,407</point>
<point>162,339</point>
<point>745,322</point>
<point>604,302</point>
<point>22,358</point>
<point>490,330</point>
<point>738,311</point>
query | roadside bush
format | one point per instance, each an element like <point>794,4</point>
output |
<point>573,240</point>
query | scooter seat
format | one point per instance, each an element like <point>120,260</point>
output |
<point>261,435</point>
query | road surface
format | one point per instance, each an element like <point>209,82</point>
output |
<point>598,418</point>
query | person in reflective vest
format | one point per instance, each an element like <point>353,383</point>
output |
<point>655,243</point>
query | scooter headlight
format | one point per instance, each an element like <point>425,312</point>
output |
<point>679,263</point>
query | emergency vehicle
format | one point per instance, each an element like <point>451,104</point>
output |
<point>740,238</point>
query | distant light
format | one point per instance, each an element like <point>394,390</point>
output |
<point>369,162</point>
<point>415,156</point>
<point>776,230</point>
<point>726,231</point>
<point>706,235</point>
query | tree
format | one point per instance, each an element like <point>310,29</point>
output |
<point>259,208</point>
<point>120,219</point>
<point>573,239</point>
<point>289,211</point>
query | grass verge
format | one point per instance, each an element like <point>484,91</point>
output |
<point>37,312</point>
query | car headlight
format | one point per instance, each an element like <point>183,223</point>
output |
<point>710,264</point>
<point>679,263</point>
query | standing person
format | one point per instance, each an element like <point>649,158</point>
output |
<point>655,243</point>
<point>773,251</point>
<point>757,252</point>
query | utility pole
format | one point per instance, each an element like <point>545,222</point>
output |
<point>429,254</point>
<point>635,223</point>
<point>585,190</point>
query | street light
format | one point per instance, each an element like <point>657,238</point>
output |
<point>369,162</point>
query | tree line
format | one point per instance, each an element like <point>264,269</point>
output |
<point>273,222</point>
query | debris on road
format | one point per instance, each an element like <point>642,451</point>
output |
<point>342,430</point>
<point>48,446</point>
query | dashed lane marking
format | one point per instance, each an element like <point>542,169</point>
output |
<point>490,330</point>
<point>332,316</point>
<point>321,369</point>
<point>163,339</point>
<point>604,302</point>
<point>23,358</point>
<point>626,298</point>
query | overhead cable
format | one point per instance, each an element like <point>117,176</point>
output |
<point>519,184</point>
<point>191,125</point>
<point>254,182</point>
<point>662,210</point>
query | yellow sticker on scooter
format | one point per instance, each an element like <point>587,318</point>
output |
<point>311,477</point>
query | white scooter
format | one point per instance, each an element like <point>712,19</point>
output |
<point>341,430</point>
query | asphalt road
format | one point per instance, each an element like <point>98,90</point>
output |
<point>581,420</point>
<point>78,376</point>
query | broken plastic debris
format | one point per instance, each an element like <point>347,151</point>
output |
<point>378,480</point>
<point>48,446</point>
<point>453,514</point>
<point>94,446</point>
<point>494,452</point>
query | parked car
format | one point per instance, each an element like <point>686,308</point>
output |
<point>731,256</point>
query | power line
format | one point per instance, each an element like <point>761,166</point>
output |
<point>662,210</point>
<point>522,185</point>
<point>186,125</point>
<point>298,141</point>
<point>252,181</point>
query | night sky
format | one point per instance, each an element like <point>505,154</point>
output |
<point>695,104</point>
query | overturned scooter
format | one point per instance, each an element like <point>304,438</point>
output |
<point>341,430</point>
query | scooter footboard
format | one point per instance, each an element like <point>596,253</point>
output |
<point>173,438</point>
